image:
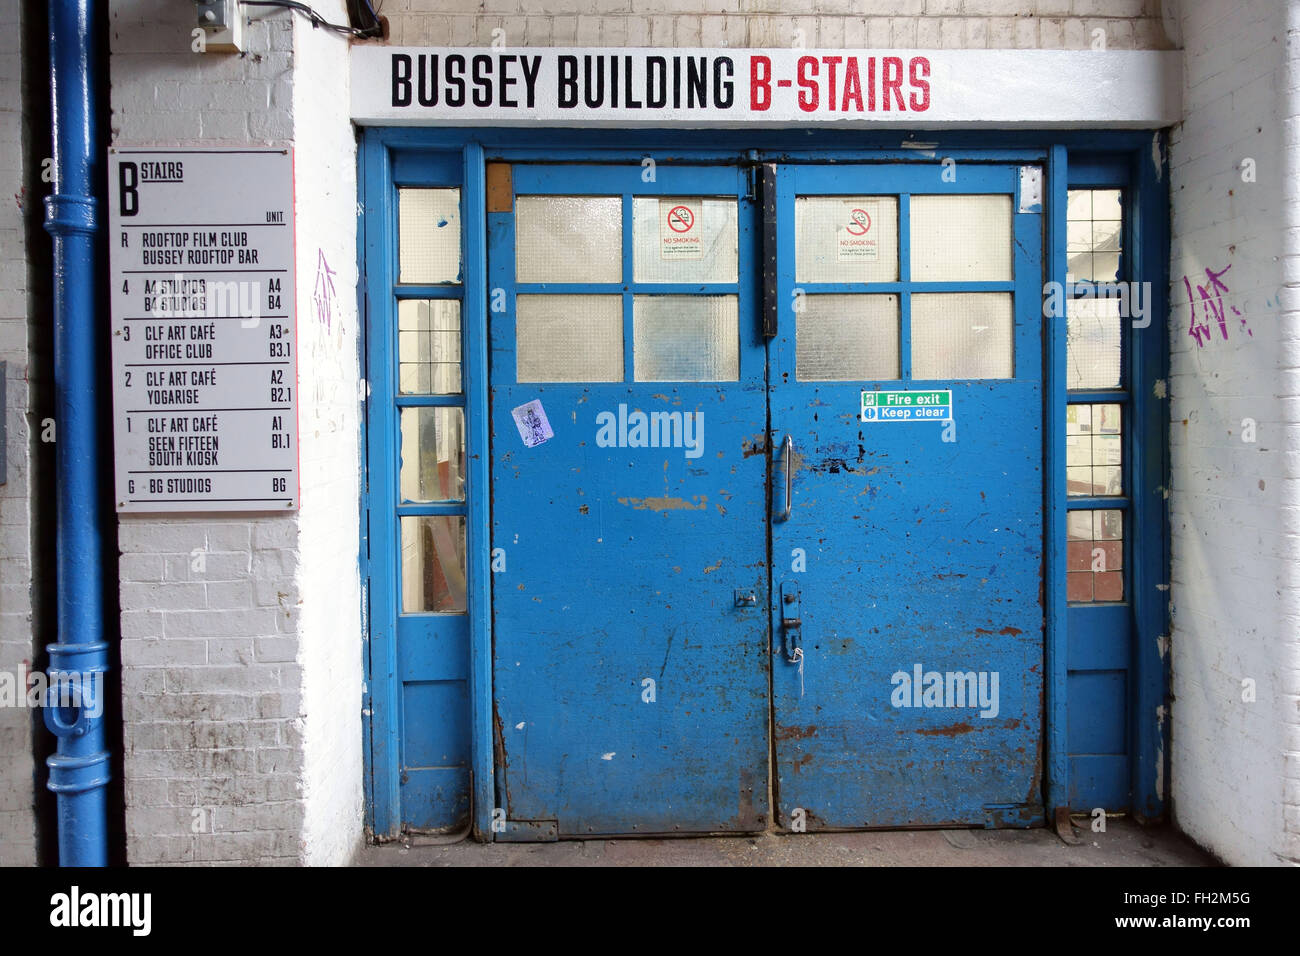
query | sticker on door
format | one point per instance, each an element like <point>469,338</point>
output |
<point>679,229</point>
<point>899,406</point>
<point>855,238</point>
<point>530,419</point>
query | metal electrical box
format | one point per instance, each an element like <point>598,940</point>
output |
<point>222,22</point>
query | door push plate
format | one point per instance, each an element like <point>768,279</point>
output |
<point>791,620</point>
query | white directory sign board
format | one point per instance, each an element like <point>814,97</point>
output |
<point>205,382</point>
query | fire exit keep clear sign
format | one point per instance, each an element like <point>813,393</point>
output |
<point>205,382</point>
<point>907,406</point>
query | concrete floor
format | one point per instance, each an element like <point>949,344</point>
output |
<point>1123,844</point>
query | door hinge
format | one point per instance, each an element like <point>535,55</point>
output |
<point>767,266</point>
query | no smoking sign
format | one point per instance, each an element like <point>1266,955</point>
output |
<point>855,236</point>
<point>679,229</point>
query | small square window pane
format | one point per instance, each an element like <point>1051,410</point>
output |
<point>569,238</point>
<point>569,338</point>
<point>846,238</point>
<point>1078,450</point>
<point>1105,235</point>
<point>1078,205</point>
<point>1107,525</point>
<point>686,338</point>
<point>686,239</point>
<point>1106,480</point>
<point>1106,204</point>
<point>433,454</point>
<point>428,346</point>
<point>428,235</point>
<point>962,335</point>
<point>1106,449</point>
<point>961,238</point>
<point>1078,480</point>
<point>1092,343</point>
<point>433,564</point>
<point>1078,525</point>
<point>847,338</point>
<point>1105,419</point>
<point>1078,236</point>
<point>1097,267</point>
<point>1105,267</point>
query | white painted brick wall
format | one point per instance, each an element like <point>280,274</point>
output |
<point>330,446</point>
<point>923,24</point>
<point>1236,765</point>
<point>18,773</point>
<point>241,639</point>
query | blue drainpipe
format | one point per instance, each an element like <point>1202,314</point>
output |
<point>79,770</point>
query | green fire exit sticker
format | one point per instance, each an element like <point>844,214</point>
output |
<point>933,406</point>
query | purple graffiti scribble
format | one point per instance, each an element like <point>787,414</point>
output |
<point>1212,303</point>
<point>323,296</point>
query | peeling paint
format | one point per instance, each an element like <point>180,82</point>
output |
<point>793,732</point>
<point>950,731</point>
<point>666,504</point>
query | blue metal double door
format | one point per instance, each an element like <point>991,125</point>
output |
<point>767,498</point>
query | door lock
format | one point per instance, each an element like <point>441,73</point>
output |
<point>791,623</point>
<point>745,598</point>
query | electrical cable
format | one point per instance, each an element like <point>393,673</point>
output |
<point>316,19</point>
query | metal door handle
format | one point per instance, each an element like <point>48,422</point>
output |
<point>787,456</point>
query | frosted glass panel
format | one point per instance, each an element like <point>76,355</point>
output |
<point>962,335</point>
<point>569,338</point>
<point>847,338</point>
<point>1094,450</point>
<point>1093,234</point>
<point>433,454</point>
<point>1092,351</point>
<point>686,338</point>
<point>428,235</point>
<point>687,239</point>
<point>428,346</point>
<point>569,238</point>
<point>433,564</point>
<point>961,238</point>
<point>846,238</point>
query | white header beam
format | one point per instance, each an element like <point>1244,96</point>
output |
<point>719,88</point>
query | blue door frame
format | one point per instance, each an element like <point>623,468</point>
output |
<point>450,157</point>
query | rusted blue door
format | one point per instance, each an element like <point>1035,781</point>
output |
<point>906,413</point>
<point>629,532</point>
<point>651,449</point>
